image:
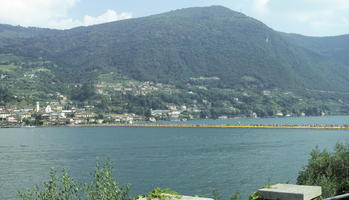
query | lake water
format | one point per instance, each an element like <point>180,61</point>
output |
<point>191,161</point>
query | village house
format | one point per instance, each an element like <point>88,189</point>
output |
<point>80,121</point>
<point>279,114</point>
<point>85,115</point>
<point>11,119</point>
<point>4,115</point>
<point>171,107</point>
<point>266,92</point>
<point>174,114</point>
<point>48,109</point>
<point>223,117</point>
<point>159,113</point>
<point>125,118</point>
<point>25,116</point>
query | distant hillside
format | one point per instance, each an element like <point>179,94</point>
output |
<point>335,47</point>
<point>14,32</point>
<point>176,46</point>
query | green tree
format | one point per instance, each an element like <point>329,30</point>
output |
<point>83,93</point>
<point>147,113</point>
<point>63,187</point>
<point>236,196</point>
<point>57,188</point>
<point>330,170</point>
<point>104,186</point>
<point>38,120</point>
<point>5,96</point>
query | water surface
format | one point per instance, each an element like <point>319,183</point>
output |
<point>192,161</point>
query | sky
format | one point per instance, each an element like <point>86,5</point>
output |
<point>307,17</point>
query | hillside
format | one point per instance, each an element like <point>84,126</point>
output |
<point>335,47</point>
<point>8,32</point>
<point>176,46</point>
<point>210,61</point>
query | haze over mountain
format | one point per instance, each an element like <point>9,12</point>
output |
<point>179,45</point>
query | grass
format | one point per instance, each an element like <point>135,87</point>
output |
<point>8,68</point>
<point>9,58</point>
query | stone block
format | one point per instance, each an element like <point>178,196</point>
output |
<point>290,192</point>
<point>172,197</point>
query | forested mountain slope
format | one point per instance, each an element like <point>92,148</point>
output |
<point>176,46</point>
<point>335,47</point>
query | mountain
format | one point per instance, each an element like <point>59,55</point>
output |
<point>8,32</point>
<point>211,60</point>
<point>334,47</point>
<point>177,46</point>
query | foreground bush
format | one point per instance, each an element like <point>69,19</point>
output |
<point>103,187</point>
<point>330,170</point>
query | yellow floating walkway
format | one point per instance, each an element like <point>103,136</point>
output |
<point>221,126</point>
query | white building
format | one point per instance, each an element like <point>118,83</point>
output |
<point>11,119</point>
<point>37,107</point>
<point>48,109</point>
<point>279,114</point>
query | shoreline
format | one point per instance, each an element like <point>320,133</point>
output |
<point>327,127</point>
<point>214,126</point>
<point>172,124</point>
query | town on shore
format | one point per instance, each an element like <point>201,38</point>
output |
<point>66,114</point>
<point>55,114</point>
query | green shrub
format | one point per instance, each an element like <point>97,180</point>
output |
<point>330,170</point>
<point>160,194</point>
<point>63,188</point>
<point>216,195</point>
<point>103,187</point>
<point>236,196</point>
<point>255,196</point>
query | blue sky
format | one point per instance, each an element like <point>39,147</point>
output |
<point>308,17</point>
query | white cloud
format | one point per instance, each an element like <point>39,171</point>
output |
<point>309,17</point>
<point>332,4</point>
<point>50,13</point>
<point>34,12</point>
<point>325,19</point>
<point>261,6</point>
<point>108,16</point>
<point>328,14</point>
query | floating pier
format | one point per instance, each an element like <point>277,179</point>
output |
<point>223,126</point>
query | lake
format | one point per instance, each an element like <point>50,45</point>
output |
<point>191,161</point>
